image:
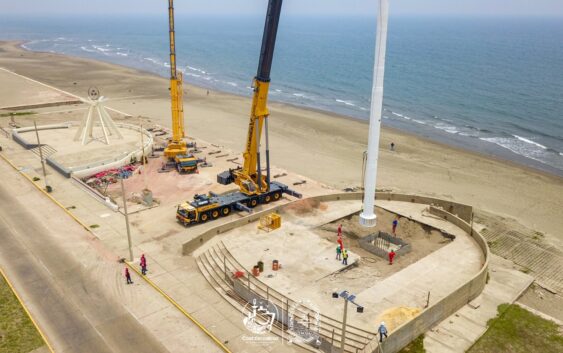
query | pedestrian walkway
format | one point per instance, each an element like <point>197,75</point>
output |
<point>458,332</point>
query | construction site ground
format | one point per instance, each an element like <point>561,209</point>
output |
<point>390,295</point>
<point>310,272</point>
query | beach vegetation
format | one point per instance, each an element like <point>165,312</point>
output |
<point>517,330</point>
<point>17,332</point>
<point>12,114</point>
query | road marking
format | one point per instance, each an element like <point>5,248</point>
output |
<point>27,311</point>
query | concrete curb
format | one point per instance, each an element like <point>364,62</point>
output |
<point>179,307</point>
<point>43,336</point>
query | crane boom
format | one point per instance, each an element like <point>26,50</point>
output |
<point>249,177</point>
<point>177,146</point>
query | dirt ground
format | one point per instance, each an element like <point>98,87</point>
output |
<point>372,269</point>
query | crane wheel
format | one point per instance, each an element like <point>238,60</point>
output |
<point>277,196</point>
<point>204,218</point>
<point>253,203</point>
<point>215,214</point>
<point>268,198</point>
<point>225,211</point>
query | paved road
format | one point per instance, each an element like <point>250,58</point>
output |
<point>68,302</point>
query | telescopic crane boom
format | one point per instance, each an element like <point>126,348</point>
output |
<point>255,188</point>
<point>176,146</point>
<point>249,178</point>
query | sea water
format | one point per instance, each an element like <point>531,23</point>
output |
<point>491,85</point>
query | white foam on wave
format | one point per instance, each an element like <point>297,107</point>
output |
<point>349,103</point>
<point>101,49</point>
<point>447,128</point>
<point>523,139</point>
<point>232,84</point>
<point>166,64</point>
<point>87,50</point>
<point>520,147</point>
<point>121,54</point>
<point>419,121</point>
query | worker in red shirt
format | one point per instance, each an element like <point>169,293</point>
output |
<point>340,242</point>
<point>391,256</point>
<point>340,230</point>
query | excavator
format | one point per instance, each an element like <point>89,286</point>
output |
<point>254,187</point>
<point>177,150</point>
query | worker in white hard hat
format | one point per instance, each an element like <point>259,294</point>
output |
<point>382,331</point>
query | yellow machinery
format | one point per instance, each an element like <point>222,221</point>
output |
<point>255,188</point>
<point>176,145</point>
<point>270,222</point>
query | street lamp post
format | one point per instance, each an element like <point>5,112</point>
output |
<point>47,186</point>
<point>360,309</point>
<point>126,218</point>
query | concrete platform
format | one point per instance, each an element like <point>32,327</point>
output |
<point>72,154</point>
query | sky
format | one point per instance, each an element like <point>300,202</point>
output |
<point>306,7</point>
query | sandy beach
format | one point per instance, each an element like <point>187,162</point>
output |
<point>318,145</point>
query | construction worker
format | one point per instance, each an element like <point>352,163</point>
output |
<point>344,257</point>
<point>338,252</point>
<point>340,230</point>
<point>391,256</point>
<point>340,242</point>
<point>143,264</point>
<point>395,224</point>
<point>392,146</point>
<point>382,331</point>
<point>128,276</point>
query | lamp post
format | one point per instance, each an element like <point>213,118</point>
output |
<point>47,186</point>
<point>126,217</point>
<point>359,309</point>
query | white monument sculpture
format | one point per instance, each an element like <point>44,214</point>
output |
<point>96,115</point>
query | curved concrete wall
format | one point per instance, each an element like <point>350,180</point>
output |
<point>93,168</point>
<point>464,212</point>
<point>459,214</point>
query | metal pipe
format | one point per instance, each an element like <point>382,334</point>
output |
<point>259,178</point>
<point>343,337</point>
<point>267,154</point>
<point>368,217</point>
<point>126,219</point>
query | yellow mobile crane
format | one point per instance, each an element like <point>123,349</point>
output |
<point>255,187</point>
<point>177,149</point>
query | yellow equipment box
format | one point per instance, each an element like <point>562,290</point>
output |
<point>270,222</point>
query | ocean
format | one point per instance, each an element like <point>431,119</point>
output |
<point>491,85</point>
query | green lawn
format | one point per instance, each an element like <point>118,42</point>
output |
<point>17,332</point>
<point>516,330</point>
